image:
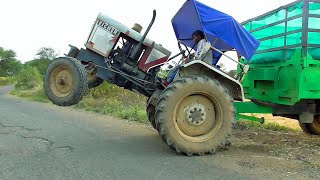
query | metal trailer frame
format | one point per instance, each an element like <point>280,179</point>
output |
<point>305,17</point>
<point>293,92</point>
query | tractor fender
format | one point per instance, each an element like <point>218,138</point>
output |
<point>199,68</point>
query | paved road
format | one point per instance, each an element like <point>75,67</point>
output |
<point>43,141</point>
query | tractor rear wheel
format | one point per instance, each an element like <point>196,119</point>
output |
<point>65,81</point>
<point>312,128</point>
<point>194,115</point>
<point>151,111</point>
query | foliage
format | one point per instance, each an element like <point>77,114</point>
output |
<point>46,53</point>
<point>28,78</point>
<point>6,54</point>
<point>9,66</point>
<point>39,64</point>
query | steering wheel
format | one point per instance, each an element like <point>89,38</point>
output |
<point>186,49</point>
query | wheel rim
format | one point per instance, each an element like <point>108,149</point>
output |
<point>198,117</point>
<point>61,82</point>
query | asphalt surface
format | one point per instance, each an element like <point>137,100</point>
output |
<point>44,141</point>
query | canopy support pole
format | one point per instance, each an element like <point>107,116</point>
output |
<point>215,49</point>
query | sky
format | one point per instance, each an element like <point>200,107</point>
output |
<point>27,25</point>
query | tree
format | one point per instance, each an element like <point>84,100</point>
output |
<point>9,65</point>
<point>46,53</point>
<point>6,54</point>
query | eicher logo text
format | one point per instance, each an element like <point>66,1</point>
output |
<point>108,27</point>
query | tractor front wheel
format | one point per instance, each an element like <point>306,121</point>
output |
<point>312,128</point>
<point>65,81</point>
<point>194,115</point>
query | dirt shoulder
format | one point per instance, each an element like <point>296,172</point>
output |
<point>294,154</point>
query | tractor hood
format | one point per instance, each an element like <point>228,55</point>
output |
<point>220,29</point>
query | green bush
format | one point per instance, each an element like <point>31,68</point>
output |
<point>29,78</point>
<point>40,64</point>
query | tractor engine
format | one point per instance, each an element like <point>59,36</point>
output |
<point>122,55</point>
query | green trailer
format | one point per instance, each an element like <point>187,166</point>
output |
<point>284,73</point>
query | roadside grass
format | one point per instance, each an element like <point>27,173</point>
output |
<point>105,99</point>
<point>35,94</point>
<point>7,81</point>
<point>118,102</point>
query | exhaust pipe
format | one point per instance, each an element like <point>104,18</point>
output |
<point>149,27</point>
<point>138,48</point>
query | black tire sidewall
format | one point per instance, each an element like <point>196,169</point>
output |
<point>76,93</point>
<point>151,110</point>
<point>173,94</point>
<point>311,128</point>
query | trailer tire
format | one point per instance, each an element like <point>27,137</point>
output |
<point>65,81</point>
<point>312,128</point>
<point>194,115</point>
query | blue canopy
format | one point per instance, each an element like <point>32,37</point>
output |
<point>220,29</point>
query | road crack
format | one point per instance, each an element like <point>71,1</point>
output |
<point>49,143</point>
<point>69,148</point>
<point>21,127</point>
<point>41,139</point>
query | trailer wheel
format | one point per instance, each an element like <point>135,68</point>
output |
<point>194,115</point>
<point>312,128</point>
<point>151,111</point>
<point>65,81</point>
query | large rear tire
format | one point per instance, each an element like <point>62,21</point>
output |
<point>151,111</point>
<point>312,128</point>
<point>194,115</point>
<point>65,81</point>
